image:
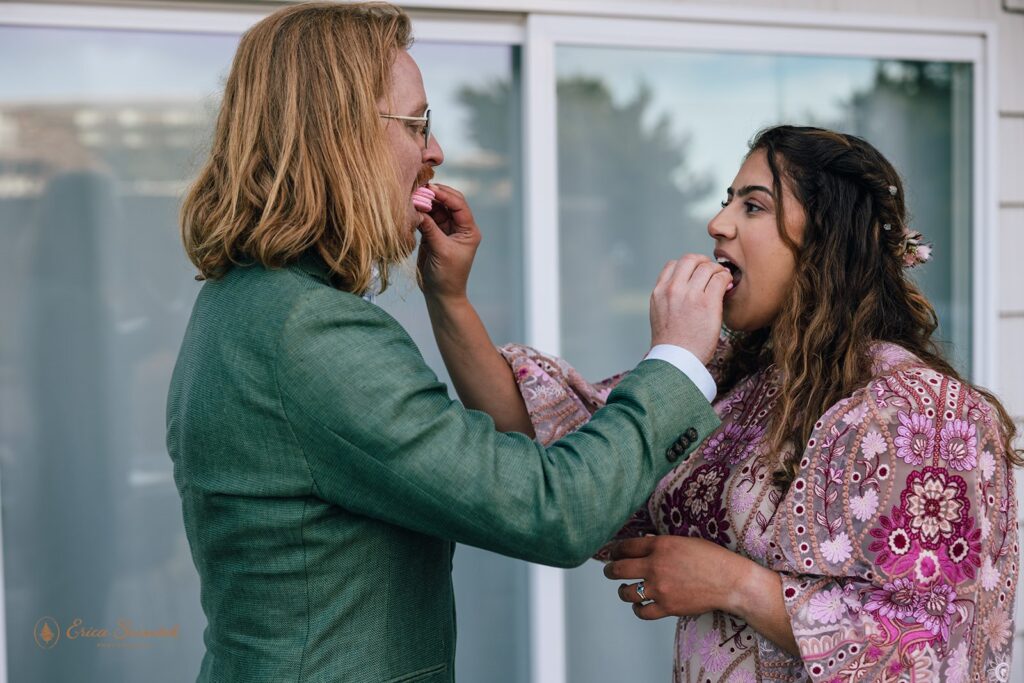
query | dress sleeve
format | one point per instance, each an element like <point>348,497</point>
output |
<point>897,540</point>
<point>559,401</point>
<point>557,398</point>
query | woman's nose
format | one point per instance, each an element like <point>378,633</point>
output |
<point>721,225</point>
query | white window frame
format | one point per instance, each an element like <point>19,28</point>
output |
<point>736,31</point>
<point>973,44</point>
<point>542,25</point>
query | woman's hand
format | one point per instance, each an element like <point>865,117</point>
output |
<point>481,376</point>
<point>682,576</point>
<point>449,241</point>
<point>689,576</point>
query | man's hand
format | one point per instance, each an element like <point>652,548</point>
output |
<point>449,241</point>
<point>686,305</point>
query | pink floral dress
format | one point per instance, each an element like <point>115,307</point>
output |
<point>897,542</point>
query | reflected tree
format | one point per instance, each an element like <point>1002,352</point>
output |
<point>918,114</point>
<point>625,198</point>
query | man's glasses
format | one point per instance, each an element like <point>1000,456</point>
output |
<point>423,120</point>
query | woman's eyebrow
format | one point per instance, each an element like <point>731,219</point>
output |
<point>747,189</point>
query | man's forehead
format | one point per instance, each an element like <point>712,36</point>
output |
<point>406,73</point>
<point>407,91</point>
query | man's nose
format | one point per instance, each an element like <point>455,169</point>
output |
<point>433,154</point>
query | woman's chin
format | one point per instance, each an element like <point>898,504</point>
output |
<point>736,322</point>
<point>731,317</point>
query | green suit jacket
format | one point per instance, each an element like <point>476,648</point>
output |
<point>325,475</point>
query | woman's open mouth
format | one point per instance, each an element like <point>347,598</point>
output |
<point>737,273</point>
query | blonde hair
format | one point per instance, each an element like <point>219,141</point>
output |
<point>299,160</point>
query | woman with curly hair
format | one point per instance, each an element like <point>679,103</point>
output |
<point>853,518</point>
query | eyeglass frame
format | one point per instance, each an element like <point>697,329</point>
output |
<point>425,120</point>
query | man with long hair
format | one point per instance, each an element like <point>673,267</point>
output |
<point>324,471</point>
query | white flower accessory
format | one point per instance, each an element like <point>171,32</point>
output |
<point>913,250</point>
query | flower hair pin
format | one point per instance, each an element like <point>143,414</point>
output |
<point>913,250</point>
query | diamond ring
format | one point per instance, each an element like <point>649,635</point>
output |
<point>640,588</point>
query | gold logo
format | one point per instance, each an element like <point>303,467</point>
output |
<point>124,635</point>
<point>47,632</point>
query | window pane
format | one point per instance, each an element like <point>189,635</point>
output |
<point>648,142</point>
<point>474,100</point>
<point>100,132</point>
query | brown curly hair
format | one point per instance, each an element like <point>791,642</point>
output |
<point>850,289</point>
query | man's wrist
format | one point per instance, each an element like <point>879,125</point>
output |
<point>688,364</point>
<point>446,301</point>
<point>449,315</point>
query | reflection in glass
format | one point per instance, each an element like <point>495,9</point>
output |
<point>98,130</point>
<point>100,133</point>
<point>481,138</point>
<point>648,142</point>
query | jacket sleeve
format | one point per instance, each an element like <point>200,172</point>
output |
<point>560,401</point>
<point>382,438</point>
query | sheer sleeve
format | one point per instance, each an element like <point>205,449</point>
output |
<point>557,398</point>
<point>559,401</point>
<point>897,541</point>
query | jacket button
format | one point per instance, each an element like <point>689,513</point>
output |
<point>691,434</point>
<point>671,455</point>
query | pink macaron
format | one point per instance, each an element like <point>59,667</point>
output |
<point>423,198</point>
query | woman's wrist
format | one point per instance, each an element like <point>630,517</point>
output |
<point>756,598</point>
<point>748,581</point>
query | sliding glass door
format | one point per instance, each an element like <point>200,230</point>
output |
<point>648,140</point>
<point>101,131</point>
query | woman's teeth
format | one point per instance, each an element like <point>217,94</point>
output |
<point>733,268</point>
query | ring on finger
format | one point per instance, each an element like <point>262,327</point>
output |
<point>641,591</point>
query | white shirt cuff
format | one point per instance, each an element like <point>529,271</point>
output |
<point>688,364</point>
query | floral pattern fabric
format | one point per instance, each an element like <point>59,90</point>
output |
<point>896,543</point>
